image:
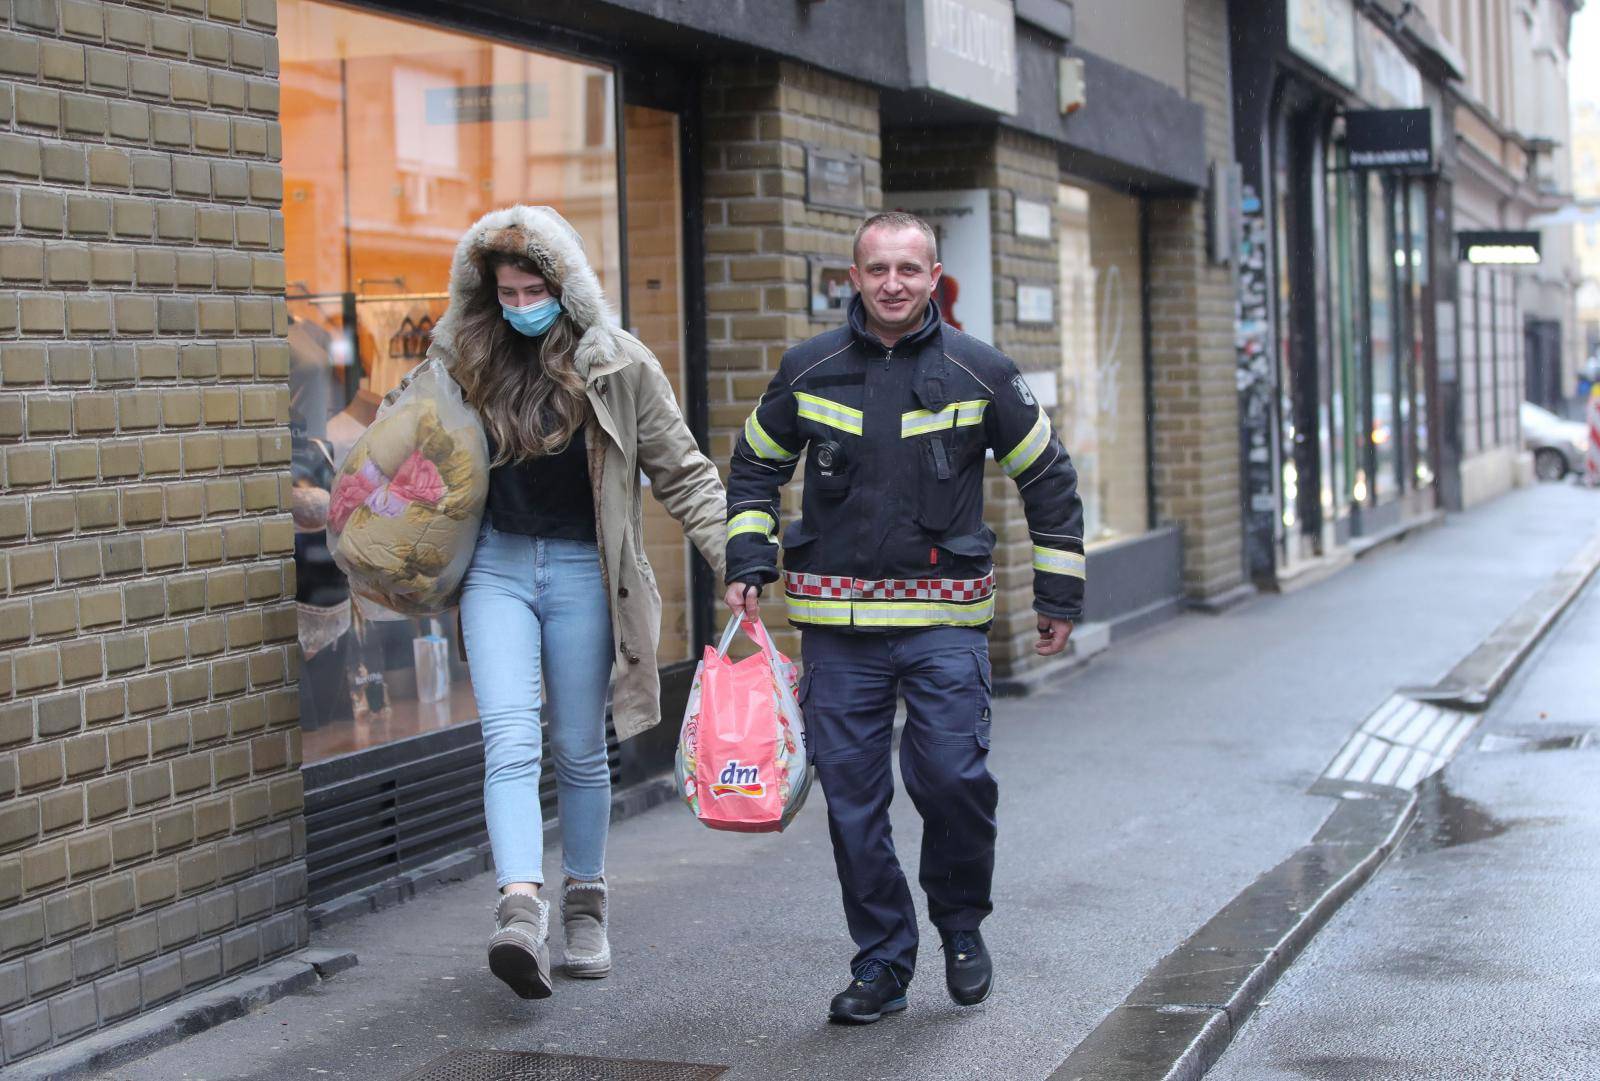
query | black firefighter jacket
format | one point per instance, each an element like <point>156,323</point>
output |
<point>892,536</point>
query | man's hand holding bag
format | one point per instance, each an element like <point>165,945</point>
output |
<point>742,763</point>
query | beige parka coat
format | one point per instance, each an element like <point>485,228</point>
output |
<point>635,426</point>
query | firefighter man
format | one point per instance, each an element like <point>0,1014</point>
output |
<point>889,575</point>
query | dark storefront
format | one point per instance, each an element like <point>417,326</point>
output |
<point>1342,280</point>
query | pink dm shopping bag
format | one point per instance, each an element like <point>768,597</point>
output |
<point>741,761</point>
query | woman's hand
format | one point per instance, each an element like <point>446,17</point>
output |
<point>744,597</point>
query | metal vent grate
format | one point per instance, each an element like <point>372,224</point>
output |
<point>541,1066</point>
<point>376,814</point>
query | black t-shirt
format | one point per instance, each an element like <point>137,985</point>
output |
<point>545,496</point>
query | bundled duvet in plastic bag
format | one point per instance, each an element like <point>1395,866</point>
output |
<point>741,762</point>
<point>404,511</point>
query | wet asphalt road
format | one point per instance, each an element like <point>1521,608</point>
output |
<point>1137,798</point>
<point>1472,954</point>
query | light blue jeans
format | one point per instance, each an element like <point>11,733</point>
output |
<point>537,626</point>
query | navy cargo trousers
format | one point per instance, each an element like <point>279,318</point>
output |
<point>848,694</point>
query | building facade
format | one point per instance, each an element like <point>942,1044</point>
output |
<point>1380,371</point>
<point>1517,332</point>
<point>225,231</point>
<point>1585,161</point>
<point>151,830</point>
<point>1343,131</point>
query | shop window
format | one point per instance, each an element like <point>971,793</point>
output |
<point>1346,479</point>
<point>1384,426</point>
<point>396,138</point>
<point>1421,474</point>
<point>1102,418</point>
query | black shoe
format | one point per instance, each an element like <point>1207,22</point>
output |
<point>968,972</point>
<point>874,991</point>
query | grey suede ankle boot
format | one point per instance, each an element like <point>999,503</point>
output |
<point>584,919</point>
<point>519,950</point>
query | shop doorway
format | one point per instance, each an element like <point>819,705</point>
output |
<point>1299,235</point>
<point>1543,351</point>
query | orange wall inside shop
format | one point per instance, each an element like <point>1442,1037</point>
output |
<point>356,129</point>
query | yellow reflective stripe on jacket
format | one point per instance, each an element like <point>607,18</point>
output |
<point>832,613</point>
<point>832,414</point>
<point>954,415</point>
<point>752,521</point>
<point>1058,561</point>
<point>763,444</point>
<point>922,613</point>
<point>1027,452</point>
<point>900,613</point>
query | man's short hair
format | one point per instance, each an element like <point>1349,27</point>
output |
<point>896,219</point>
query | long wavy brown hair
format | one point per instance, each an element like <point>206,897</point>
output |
<point>528,393</point>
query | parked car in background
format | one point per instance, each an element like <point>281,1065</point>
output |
<point>1558,445</point>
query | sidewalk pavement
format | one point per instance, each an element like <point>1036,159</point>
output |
<point>1138,797</point>
<point>1469,954</point>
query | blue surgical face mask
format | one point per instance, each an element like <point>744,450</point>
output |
<point>532,319</point>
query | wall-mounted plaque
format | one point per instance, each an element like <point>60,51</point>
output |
<point>1032,219</point>
<point>831,289</point>
<point>1036,304</point>
<point>835,180</point>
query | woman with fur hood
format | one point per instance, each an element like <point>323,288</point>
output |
<point>559,592</point>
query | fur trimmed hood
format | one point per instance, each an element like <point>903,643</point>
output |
<point>545,238</point>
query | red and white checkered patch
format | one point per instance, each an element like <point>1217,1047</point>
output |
<point>827,587</point>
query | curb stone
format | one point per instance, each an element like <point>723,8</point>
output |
<point>1182,1016</point>
<point>1473,683</point>
<point>150,1032</point>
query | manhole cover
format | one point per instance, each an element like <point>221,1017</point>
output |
<point>541,1066</point>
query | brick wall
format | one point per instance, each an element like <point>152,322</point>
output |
<point>151,838</point>
<point>1191,324</point>
<point>760,117</point>
<point>1010,165</point>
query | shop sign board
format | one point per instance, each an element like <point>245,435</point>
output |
<point>966,49</point>
<point>837,181</point>
<point>960,221</point>
<point>1391,140</point>
<point>477,104</point>
<point>1498,247</point>
<point>1324,33</point>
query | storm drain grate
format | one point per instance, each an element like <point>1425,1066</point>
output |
<point>542,1066</point>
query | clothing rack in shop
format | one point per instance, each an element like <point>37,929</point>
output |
<point>348,303</point>
<point>347,318</point>
<point>372,298</point>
